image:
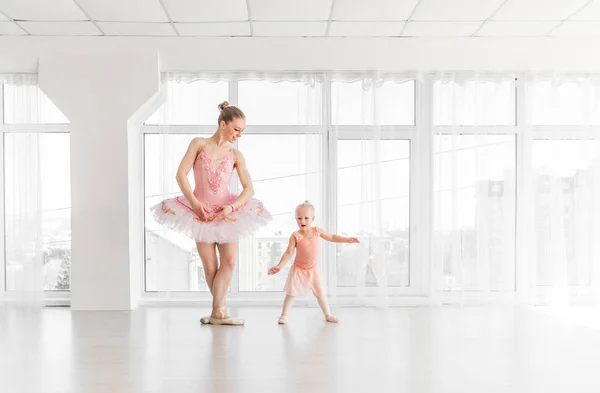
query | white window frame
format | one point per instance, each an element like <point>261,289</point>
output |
<point>59,297</point>
<point>249,297</point>
<point>421,180</point>
<point>329,187</point>
<point>413,134</point>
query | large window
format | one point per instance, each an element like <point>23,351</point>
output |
<point>282,146</point>
<point>475,183</point>
<point>36,185</point>
<point>374,123</point>
<point>489,176</point>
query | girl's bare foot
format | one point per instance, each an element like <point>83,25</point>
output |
<point>332,318</point>
<point>282,320</point>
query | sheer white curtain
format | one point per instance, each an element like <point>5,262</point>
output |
<point>516,173</point>
<point>559,239</point>
<point>474,186</point>
<point>283,148</point>
<point>23,253</point>
<point>372,128</point>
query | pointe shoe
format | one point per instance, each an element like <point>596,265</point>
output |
<point>226,321</point>
<point>282,320</point>
<point>219,313</point>
<point>220,317</point>
<point>222,314</point>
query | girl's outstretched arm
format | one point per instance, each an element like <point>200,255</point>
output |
<point>337,238</point>
<point>287,255</point>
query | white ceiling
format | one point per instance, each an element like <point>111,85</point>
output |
<point>301,18</point>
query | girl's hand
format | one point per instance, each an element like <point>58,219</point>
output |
<point>200,211</point>
<point>274,270</point>
<point>353,240</point>
<point>224,212</point>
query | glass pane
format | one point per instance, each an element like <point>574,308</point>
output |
<point>172,261</point>
<point>194,103</point>
<point>566,210</point>
<point>474,210</point>
<point>281,103</point>
<point>374,182</point>
<point>283,178</point>
<point>569,103</point>
<point>38,207</point>
<point>474,103</point>
<point>25,104</point>
<point>391,104</point>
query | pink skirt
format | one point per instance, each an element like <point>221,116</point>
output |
<point>300,280</point>
<point>176,214</point>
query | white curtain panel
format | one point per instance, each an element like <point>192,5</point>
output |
<point>474,186</point>
<point>516,171</point>
<point>559,222</point>
<point>24,258</point>
<point>372,134</point>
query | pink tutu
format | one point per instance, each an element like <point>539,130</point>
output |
<point>177,214</point>
<point>211,190</point>
<point>299,281</point>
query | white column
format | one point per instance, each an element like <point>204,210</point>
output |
<point>104,96</point>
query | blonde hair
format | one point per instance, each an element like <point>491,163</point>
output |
<point>305,204</point>
<point>229,113</point>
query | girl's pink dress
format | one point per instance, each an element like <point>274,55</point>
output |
<point>212,189</point>
<point>305,273</point>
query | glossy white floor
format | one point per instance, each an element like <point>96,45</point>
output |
<point>413,350</point>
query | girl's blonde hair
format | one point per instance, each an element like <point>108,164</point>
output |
<point>305,204</point>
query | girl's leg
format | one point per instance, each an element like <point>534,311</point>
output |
<point>287,304</point>
<point>227,254</point>
<point>208,256</point>
<point>318,289</point>
<point>322,299</point>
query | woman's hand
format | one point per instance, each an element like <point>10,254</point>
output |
<point>353,240</point>
<point>224,212</point>
<point>200,211</point>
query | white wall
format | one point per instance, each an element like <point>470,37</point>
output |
<point>106,85</point>
<point>20,54</point>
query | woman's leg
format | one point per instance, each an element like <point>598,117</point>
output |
<point>208,256</point>
<point>227,256</point>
